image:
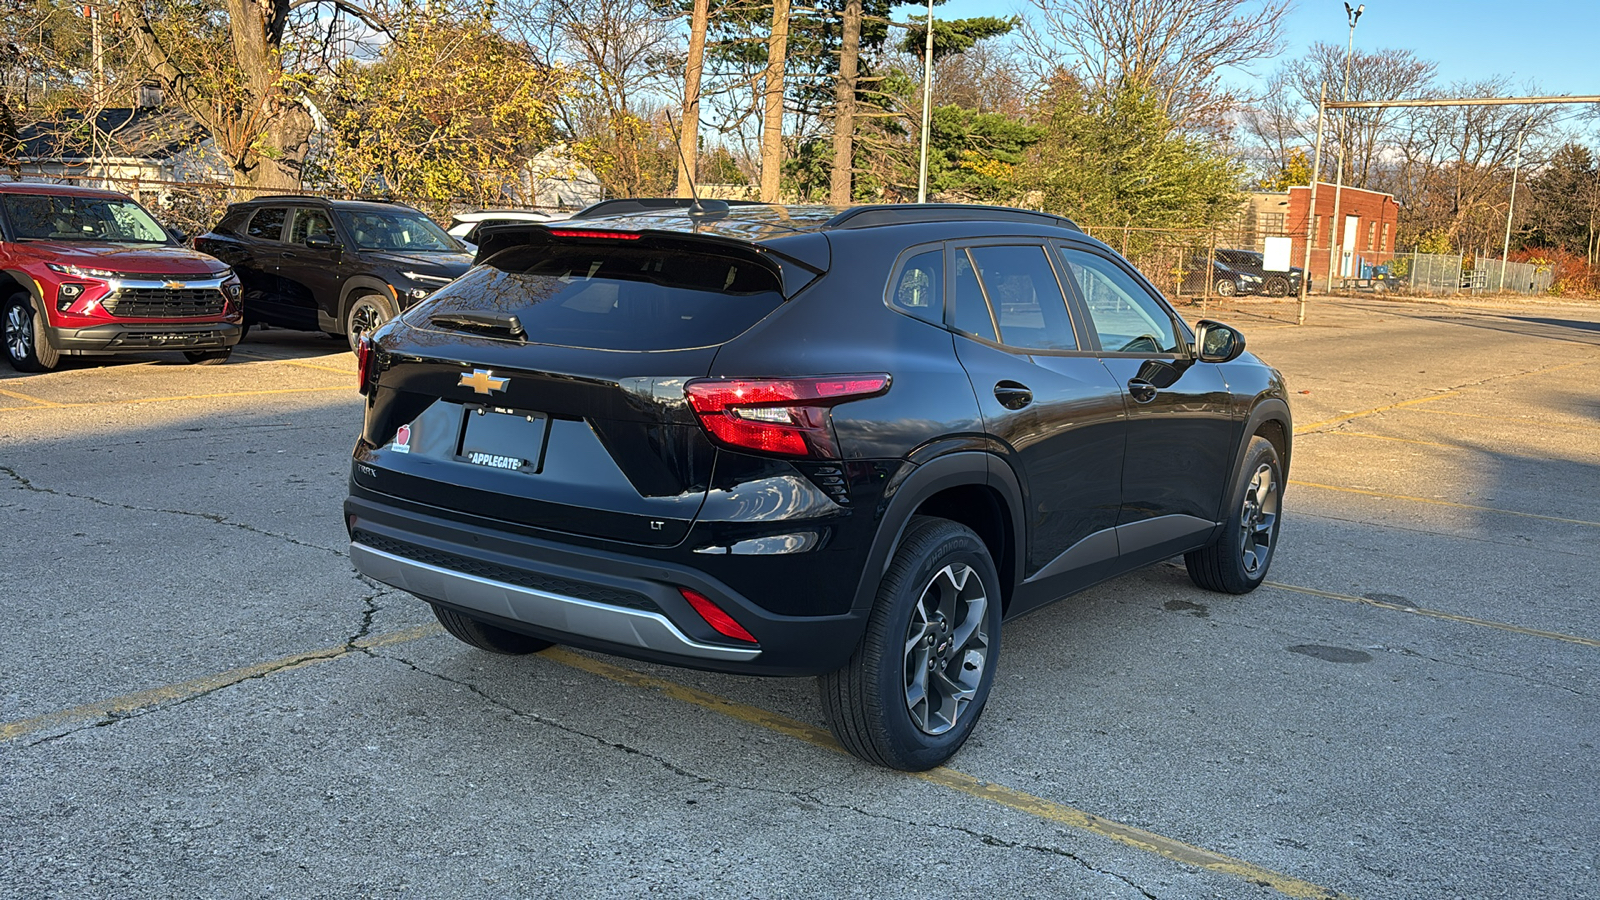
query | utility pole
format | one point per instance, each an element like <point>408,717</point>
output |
<point>93,14</point>
<point>1505,250</point>
<point>1311,208</point>
<point>1336,251</point>
<point>927,104</point>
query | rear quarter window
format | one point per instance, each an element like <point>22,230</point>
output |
<point>613,298</point>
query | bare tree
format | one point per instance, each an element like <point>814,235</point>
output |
<point>1174,50</point>
<point>772,118</point>
<point>844,108</point>
<point>689,128</point>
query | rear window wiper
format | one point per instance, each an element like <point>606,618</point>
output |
<point>495,324</point>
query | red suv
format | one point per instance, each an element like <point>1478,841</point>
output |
<point>90,271</point>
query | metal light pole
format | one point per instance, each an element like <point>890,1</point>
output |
<point>1336,250</point>
<point>927,103</point>
<point>1311,207</point>
<point>1505,251</point>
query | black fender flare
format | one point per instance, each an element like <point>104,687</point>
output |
<point>959,469</point>
<point>1266,409</point>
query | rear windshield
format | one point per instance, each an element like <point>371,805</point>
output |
<point>613,298</point>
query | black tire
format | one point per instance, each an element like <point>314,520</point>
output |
<point>1226,287</point>
<point>1237,561</point>
<point>367,313</point>
<point>485,636</point>
<point>1276,286</point>
<point>25,336</point>
<point>208,357</point>
<point>869,702</point>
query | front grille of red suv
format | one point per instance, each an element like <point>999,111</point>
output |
<point>163,303</point>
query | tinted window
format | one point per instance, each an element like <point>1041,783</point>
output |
<point>1125,316</point>
<point>613,298</point>
<point>918,288</point>
<point>972,311</point>
<point>310,223</point>
<point>1025,297</point>
<point>233,222</point>
<point>267,224</point>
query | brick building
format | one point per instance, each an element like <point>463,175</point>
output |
<point>1370,220</point>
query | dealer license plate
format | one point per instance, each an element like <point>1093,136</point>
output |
<point>502,438</point>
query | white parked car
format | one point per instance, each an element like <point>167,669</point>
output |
<point>464,227</point>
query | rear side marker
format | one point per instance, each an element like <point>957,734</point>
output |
<point>715,617</point>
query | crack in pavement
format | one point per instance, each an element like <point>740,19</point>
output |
<point>213,518</point>
<point>143,703</point>
<point>1538,682</point>
<point>804,796</point>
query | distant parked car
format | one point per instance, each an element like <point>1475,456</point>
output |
<point>464,226</point>
<point>343,267</point>
<point>1226,280</point>
<point>89,272</point>
<point>1274,284</point>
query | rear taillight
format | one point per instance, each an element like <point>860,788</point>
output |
<point>715,617</point>
<point>784,416</point>
<point>364,366</point>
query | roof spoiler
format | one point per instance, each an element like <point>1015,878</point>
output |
<point>623,206</point>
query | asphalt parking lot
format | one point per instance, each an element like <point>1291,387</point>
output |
<point>202,699</point>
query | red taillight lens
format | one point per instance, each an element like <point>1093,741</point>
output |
<point>364,366</point>
<point>715,617</point>
<point>586,233</point>
<point>785,416</point>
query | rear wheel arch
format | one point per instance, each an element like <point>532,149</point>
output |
<point>972,488</point>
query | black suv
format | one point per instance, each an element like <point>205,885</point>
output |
<point>801,440</point>
<point>338,266</point>
<point>1275,283</point>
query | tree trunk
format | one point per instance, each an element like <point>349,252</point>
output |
<point>844,107</point>
<point>265,134</point>
<point>689,128</point>
<point>772,121</point>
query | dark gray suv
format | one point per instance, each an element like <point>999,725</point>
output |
<point>802,440</point>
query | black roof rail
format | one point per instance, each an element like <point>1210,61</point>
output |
<point>277,197</point>
<point>910,213</point>
<point>625,205</point>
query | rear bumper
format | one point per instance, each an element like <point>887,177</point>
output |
<point>118,337</point>
<point>601,600</point>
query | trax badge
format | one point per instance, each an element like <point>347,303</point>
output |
<point>482,381</point>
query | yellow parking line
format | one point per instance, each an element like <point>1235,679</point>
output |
<point>1430,500</point>
<point>1438,614</point>
<point>350,389</point>
<point>39,401</point>
<point>1375,410</point>
<point>126,703</point>
<point>294,362</point>
<point>1384,437</point>
<point>1128,835</point>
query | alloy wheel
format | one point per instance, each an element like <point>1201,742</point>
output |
<point>19,331</point>
<point>946,649</point>
<point>1257,520</point>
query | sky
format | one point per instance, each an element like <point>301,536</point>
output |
<point>1553,43</point>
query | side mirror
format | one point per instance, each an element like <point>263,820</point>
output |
<point>321,242</point>
<point>1215,342</point>
<point>178,234</point>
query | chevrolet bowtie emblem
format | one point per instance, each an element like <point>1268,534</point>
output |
<point>174,285</point>
<point>482,381</point>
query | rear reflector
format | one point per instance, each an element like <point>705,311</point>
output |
<point>584,233</point>
<point>784,416</point>
<point>364,365</point>
<point>715,617</point>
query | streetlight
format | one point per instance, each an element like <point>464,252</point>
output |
<point>1336,245</point>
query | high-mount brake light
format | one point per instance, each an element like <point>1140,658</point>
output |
<point>715,617</point>
<point>585,233</point>
<point>364,366</point>
<point>783,416</point>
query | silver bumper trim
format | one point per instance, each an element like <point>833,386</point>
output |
<point>615,624</point>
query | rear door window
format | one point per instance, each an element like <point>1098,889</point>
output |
<point>1024,297</point>
<point>612,298</point>
<point>267,223</point>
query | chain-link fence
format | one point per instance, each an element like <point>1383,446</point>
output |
<point>1443,274</point>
